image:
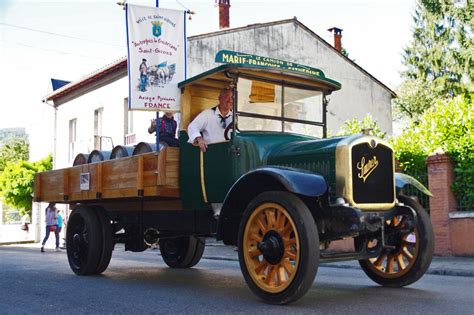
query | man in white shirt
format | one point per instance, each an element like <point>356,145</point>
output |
<point>209,126</point>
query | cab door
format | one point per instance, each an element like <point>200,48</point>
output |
<point>205,177</point>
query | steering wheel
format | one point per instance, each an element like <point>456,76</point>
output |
<point>227,130</point>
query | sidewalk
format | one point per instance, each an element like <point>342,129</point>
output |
<point>449,266</point>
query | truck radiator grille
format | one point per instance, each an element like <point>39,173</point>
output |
<point>372,173</point>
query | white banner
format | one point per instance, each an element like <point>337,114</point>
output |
<point>156,41</point>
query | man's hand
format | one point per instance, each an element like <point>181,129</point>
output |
<point>152,127</point>
<point>201,143</point>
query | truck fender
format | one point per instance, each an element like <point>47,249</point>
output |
<point>402,180</point>
<point>251,184</point>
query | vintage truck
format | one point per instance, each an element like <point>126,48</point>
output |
<point>279,189</point>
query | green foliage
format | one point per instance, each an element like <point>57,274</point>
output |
<point>448,127</point>
<point>14,149</point>
<point>441,52</point>
<point>354,126</point>
<point>414,98</point>
<point>16,182</point>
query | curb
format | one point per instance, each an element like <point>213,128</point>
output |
<point>17,242</point>
<point>431,271</point>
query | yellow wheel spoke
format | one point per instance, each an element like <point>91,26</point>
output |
<point>395,221</point>
<point>262,226</point>
<point>390,263</point>
<point>287,266</point>
<point>378,262</point>
<point>281,275</point>
<point>401,263</point>
<point>407,253</point>
<point>290,255</point>
<point>289,241</point>
<point>270,214</point>
<point>255,237</point>
<point>280,221</point>
<point>271,277</point>
<point>260,270</point>
<point>286,230</point>
<point>254,252</point>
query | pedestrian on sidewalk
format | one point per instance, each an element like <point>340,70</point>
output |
<point>51,221</point>
<point>25,221</point>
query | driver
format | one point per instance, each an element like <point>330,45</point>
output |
<point>208,127</point>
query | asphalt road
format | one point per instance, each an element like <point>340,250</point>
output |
<point>31,282</point>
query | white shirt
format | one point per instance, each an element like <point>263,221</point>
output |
<point>209,124</point>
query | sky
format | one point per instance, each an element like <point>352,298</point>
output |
<point>67,40</point>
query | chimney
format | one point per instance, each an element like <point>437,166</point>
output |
<point>224,6</point>
<point>337,38</point>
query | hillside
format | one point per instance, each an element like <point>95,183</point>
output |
<point>7,133</point>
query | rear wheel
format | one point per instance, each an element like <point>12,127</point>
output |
<point>84,241</point>
<point>182,252</point>
<point>410,252</point>
<point>278,247</point>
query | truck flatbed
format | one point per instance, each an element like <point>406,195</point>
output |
<point>154,174</point>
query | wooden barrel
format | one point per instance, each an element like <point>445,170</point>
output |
<point>144,147</point>
<point>80,159</point>
<point>121,151</point>
<point>97,156</point>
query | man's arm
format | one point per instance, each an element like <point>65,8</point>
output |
<point>194,131</point>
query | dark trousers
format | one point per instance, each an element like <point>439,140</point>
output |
<point>56,234</point>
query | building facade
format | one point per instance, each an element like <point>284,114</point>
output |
<point>92,113</point>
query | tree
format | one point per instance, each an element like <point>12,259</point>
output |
<point>414,98</point>
<point>354,126</point>
<point>440,57</point>
<point>14,149</point>
<point>16,182</point>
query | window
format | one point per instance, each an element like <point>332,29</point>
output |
<point>98,121</point>
<point>72,138</point>
<point>98,113</point>
<point>267,106</point>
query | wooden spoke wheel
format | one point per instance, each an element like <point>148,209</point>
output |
<point>409,251</point>
<point>182,252</point>
<point>278,247</point>
<point>84,241</point>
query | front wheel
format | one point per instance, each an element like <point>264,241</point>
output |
<point>410,249</point>
<point>278,247</point>
<point>182,252</point>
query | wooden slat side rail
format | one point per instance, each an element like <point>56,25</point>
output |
<point>161,167</point>
<point>140,176</point>
<point>98,193</point>
<point>172,167</point>
<point>66,184</point>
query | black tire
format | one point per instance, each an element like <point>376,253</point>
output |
<point>278,246</point>
<point>84,241</point>
<point>182,252</point>
<point>414,260</point>
<point>107,241</point>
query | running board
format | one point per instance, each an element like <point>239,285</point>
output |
<point>330,256</point>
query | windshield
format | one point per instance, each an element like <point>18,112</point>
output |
<point>265,106</point>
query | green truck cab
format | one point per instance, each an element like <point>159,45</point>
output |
<point>278,189</point>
